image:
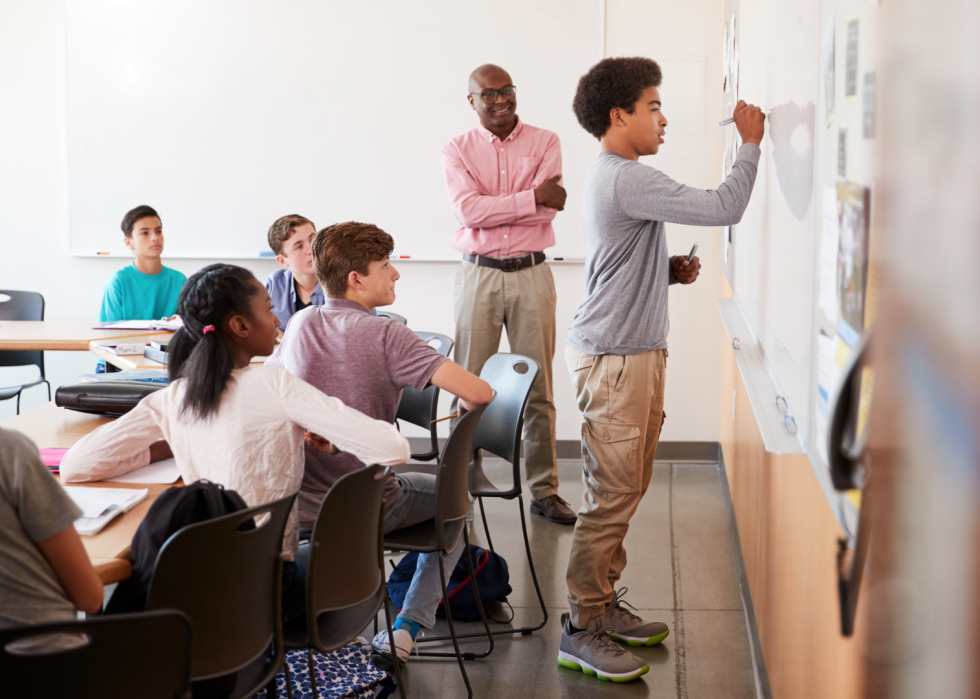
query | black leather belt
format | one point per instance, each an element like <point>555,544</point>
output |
<point>510,264</point>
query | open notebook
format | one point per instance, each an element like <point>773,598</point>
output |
<point>100,506</point>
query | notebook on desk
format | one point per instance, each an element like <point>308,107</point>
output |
<point>100,506</point>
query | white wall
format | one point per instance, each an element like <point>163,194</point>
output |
<point>34,206</point>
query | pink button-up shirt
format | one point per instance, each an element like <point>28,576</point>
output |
<point>491,186</point>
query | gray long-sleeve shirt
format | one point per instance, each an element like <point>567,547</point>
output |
<point>627,268</point>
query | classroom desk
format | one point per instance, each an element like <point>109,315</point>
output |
<point>56,335</point>
<point>109,550</point>
<point>137,362</point>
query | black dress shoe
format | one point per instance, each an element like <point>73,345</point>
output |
<point>554,509</point>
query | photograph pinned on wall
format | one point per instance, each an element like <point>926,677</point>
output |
<point>829,77</point>
<point>868,111</point>
<point>851,66</point>
<point>842,152</point>
<point>852,267</point>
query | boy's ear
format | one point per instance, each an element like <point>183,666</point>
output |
<point>616,117</point>
<point>128,242</point>
<point>282,260</point>
<point>354,280</point>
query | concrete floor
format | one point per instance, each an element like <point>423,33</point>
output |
<point>681,571</point>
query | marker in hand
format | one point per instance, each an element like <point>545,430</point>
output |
<point>694,250</point>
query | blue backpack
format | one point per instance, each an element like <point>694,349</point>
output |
<point>491,575</point>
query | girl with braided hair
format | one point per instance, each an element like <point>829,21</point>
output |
<point>238,425</point>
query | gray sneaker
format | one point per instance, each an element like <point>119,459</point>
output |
<point>625,626</point>
<point>594,654</point>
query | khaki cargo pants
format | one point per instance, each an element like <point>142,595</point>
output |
<point>488,299</point>
<point>622,402</point>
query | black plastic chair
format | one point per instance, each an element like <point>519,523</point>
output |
<point>226,575</point>
<point>146,655</point>
<point>499,433</point>
<point>419,407</point>
<point>394,316</point>
<point>345,579</point>
<point>22,305</point>
<point>447,529</point>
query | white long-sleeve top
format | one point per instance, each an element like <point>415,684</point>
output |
<point>253,444</point>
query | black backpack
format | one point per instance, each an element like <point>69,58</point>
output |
<point>491,575</point>
<point>173,510</point>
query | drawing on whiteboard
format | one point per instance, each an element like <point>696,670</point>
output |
<point>791,132</point>
<point>829,78</point>
<point>852,273</point>
<point>851,67</point>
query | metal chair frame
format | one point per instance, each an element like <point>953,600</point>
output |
<point>419,407</point>
<point>22,305</point>
<point>447,530</point>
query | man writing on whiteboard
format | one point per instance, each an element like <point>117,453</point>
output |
<point>616,349</point>
<point>503,179</point>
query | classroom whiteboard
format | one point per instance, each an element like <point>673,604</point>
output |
<point>770,260</point>
<point>227,114</point>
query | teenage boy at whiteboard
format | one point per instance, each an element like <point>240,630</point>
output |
<point>616,349</point>
<point>503,181</point>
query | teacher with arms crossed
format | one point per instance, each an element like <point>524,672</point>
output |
<point>503,181</point>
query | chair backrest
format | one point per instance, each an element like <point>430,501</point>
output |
<point>499,432</point>
<point>22,305</point>
<point>452,479</point>
<point>394,316</point>
<point>228,581</point>
<point>120,656</point>
<point>419,407</point>
<point>345,549</point>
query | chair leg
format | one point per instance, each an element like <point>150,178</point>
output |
<point>476,591</point>
<point>452,630</point>
<point>289,680</point>
<point>311,671</point>
<point>391,643</point>
<point>18,402</point>
<point>48,384</point>
<point>486,529</point>
<point>534,576</point>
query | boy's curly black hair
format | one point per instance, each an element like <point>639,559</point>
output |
<point>612,83</point>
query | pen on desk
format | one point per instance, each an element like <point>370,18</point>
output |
<point>448,417</point>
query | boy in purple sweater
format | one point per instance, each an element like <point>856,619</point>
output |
<point>366,361</point>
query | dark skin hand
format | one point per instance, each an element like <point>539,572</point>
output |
<point>500,119</point>
<point>686,272</point>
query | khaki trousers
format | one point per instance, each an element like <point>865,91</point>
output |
<point>486,300</point>
<point>622,402</point>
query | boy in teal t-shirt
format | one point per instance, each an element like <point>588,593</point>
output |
<point>145,289</point>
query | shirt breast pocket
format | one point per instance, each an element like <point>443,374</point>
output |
<point>527,172</point>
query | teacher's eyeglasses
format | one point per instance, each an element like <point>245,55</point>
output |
<point>490,96</point>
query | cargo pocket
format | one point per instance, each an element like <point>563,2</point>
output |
<point>610,453</point>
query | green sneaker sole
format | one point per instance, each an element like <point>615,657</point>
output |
<point>571,665</point>
<point>652,641</point>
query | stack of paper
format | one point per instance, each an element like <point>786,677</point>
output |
<point>100,505</point>
<point>163,324</point>
<point>164,472</point>
<point>142,376</point>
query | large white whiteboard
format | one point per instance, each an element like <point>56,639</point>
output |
<point>226,114</point>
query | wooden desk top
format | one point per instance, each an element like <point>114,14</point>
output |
<point>57,335</point>
<point>109,550</point>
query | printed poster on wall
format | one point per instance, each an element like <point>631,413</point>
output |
<point>852,271</point>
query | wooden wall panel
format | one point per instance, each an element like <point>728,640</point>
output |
<point>788,535</point>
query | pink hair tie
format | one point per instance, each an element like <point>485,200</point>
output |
<point>208,329</point>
